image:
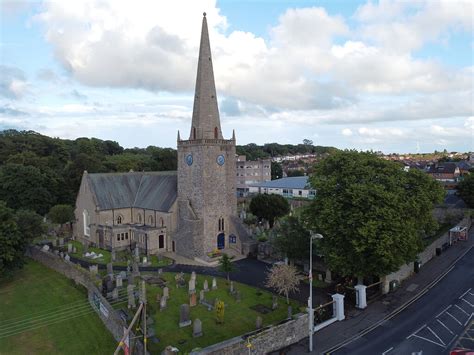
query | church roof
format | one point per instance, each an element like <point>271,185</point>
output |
<point>149,190</point>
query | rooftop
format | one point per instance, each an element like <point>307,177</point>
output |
<point>296,182</point>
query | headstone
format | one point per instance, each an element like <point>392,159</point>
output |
<point>131,279</point>
<point>93,269</point>
<point>46,247</point>
<point>166,292</point>
<point>113,255</point>
<point>158,297</point>
<point>184,319</point>
<point>137,254</point>
<point>192,286</point>
<point>61,242</point>
<point>110,269</point>
<point>74,250</point>
<point>214,283</point>
<point>201,295</point>
<point>197,328</point>
<point>61,254</point>
<point>160,271</point>
<point>67,257</point>
<point>128,269</point>
<point>145,260</point>
<point>206,286</point>
<point>290,312</point>
<point>119,280</point>
<point>179,278</point>
<point>192,300</point>
<point>56,251</point>
<point>69,247</point>
<point>275,302</point>
<point>193,275</point>
<point>123,275</point>
<point>115,294</point>
<point>135,269</point>
<point>163,302</point>
<point>258,322</point>
<point>231,287</point>
<point>170,350</point>
<point>131,296</point>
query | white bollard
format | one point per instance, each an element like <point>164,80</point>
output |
<point>338,306</point>
<point>361,296</point>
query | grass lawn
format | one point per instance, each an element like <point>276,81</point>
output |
<point>239,318</point>
<point>121,255</point>
<point>38,297</point>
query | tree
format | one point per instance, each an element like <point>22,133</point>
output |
<point>12,245</point>
<point>225,265</point>
<point>373,215</point>
<point>292,239</point>
<point>293,173</point>
<point>61,214</point>
<point>269,207</point>
<point>30,224</point>
<point>307,142</point>
<point>277,170</point>
<point>284,279</point>
<point>466,190</point>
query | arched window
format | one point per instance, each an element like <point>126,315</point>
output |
<point>194,132</point>
<point>221,224</point>
<point>150,220</point>
<point>119,219</point>
<point>87,222</point>
<point>216,133</point>
<point>139,217</point>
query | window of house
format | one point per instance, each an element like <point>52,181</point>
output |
<point>150,220</point>
<point>122,236</point>
<point>126,236</point>
<point>118,237</point>
<point>300,193</point>
<point>232,239</point>
<point>139,217</point>
<point>119,219</point>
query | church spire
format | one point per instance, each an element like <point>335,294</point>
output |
<point>206,123</point>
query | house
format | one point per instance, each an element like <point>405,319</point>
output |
<point>251,172</point>
<point>290,187</point>
<point>448,172</point>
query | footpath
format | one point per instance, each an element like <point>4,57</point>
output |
<point>360,322</point>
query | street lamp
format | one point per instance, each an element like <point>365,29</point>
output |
<point>310,300</point>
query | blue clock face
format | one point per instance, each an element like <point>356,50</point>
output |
<point>189,159</point>
<point>220,159</point>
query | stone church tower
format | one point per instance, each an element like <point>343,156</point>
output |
<point>207,202</point>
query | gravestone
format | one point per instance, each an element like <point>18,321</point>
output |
<point>123,275</point>
<point>119,281</point>
<point>158,297</point>
<point>166,292</point>
<point>192,300</point>
<point>93,269</point>
<point>179,278</point>
<point>45,247</point>
<point>274,302</point>
<point>197,328</point>
<point>56,251</point>
<point>61,242</point>
<point>258,322</point>
<point>74,250</point>
<point>231,289</point>
<point>184,319</point>
<point>192,286</point>
<point>69,247</point>
<point>201,296</point>
<point>128,269</point>
<point>131,296</point>
<point>115,294</point>
<point>193,275</point>
<point>135,269</point>
<point>214,283</point>
<point>163,302</point>
<point>290,312</point>
<point>137,254</point>
<point>61,254</point>
<point>113,256</point>
<point>110,269</point>
<point>160,271</point>
<point>67,257</point>
<point>206,286</point>
<point>131,279</point>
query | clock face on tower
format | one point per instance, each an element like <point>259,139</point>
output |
<point>189,159</point>
<point>220,159</point>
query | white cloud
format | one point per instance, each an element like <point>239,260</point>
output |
<point>347,132</point>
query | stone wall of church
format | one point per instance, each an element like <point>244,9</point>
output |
<point>85,202</point>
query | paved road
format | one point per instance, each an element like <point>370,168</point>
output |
<point>430,325</point>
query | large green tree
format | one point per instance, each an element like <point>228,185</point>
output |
<point>269,207</point>
<point>61,214</point>
<point>277,170</point>
<point>372,214</point>
<point>466,190</point>
<point>12,244</point>
<point>292,239</point>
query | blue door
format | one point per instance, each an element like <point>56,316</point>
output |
<point>221,241</point>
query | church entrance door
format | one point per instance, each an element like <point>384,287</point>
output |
<point>221,241</point>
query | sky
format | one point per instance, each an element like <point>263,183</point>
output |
<point>390,76</point>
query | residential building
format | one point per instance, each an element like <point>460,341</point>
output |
<point>251,172</point>
<point>290,187</point>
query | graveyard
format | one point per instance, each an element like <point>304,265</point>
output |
<point>43,312</point>
<point>242,308</point>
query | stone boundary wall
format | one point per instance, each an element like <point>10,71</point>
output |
<point>426,255</point>
<point>106,313</point>
<point>264,341</point>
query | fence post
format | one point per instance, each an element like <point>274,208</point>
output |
<point>338,306</point>
<point>361,296</point>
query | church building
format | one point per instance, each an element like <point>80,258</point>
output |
<point>192,212</point>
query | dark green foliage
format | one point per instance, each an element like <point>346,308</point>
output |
<point>466,190</point>
<point>277,171</point>
<point>373,215</point>
<point>269,207</point>
<point>61,214</point>
<point>12,244</point>
<point>253,151</point>
<point>30,224</point>
<point>292,173</point>
<point>225,265</point>
<point>292,239</point>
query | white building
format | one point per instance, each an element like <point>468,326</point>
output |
<point>290,187</point>
<point>251,172</point>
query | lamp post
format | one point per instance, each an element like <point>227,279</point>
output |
<point>310,300</point>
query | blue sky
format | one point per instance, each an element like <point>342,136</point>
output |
<point>395,76</point>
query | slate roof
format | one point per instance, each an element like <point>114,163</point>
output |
<point>443,168</point>
<point>294,182</point>
<point>149,190</point>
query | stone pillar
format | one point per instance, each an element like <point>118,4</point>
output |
<point>361,296</point>
<point>338,307</point>
<point>385,285</point>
